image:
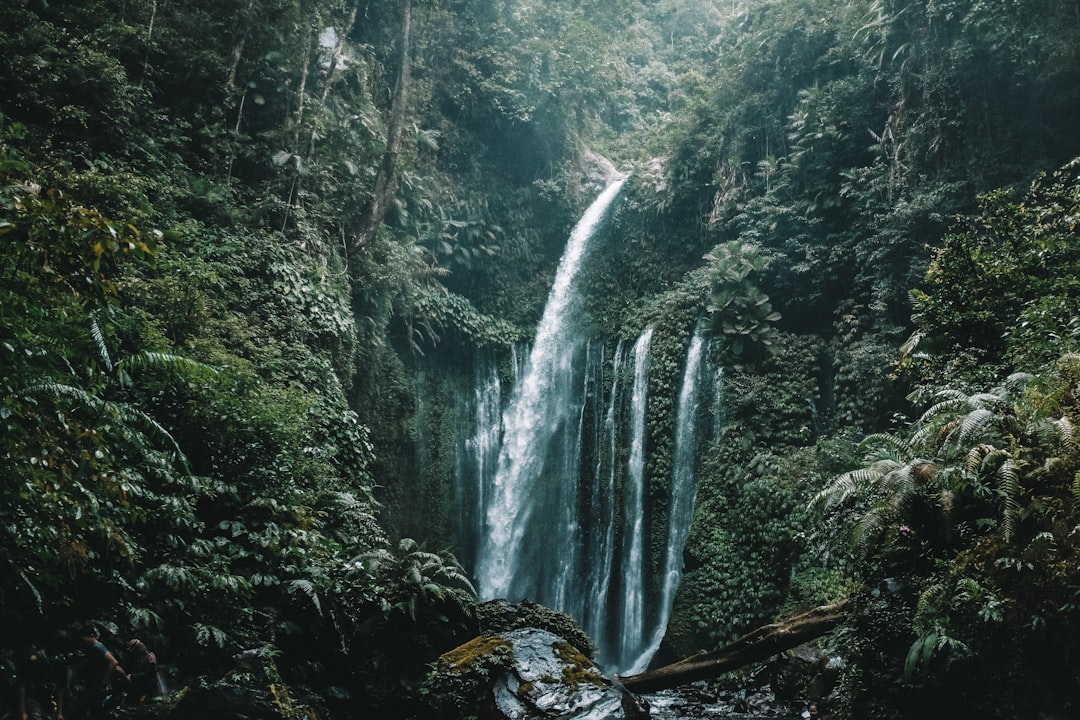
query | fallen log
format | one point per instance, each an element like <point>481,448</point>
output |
<point>757,645</point>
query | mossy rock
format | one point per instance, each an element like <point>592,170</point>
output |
<point>526,673</point>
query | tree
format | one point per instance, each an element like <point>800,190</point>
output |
<point>386,180</point>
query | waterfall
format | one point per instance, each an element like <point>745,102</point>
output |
<point>633,575</point>
<point>603,503</point>
<point>683,492</point>
<point>558,510</point>
<point>531,536</point>
<point>478,451</point>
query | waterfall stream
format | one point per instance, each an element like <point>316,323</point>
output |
<point>683,492</point>
<point>632,621</point>
<point>530,534</point>
<point>551,474</point>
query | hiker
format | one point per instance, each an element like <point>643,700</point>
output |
<point>99,670</point>
<point>142,667</point>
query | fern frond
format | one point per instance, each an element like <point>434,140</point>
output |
<point>883,445</point>
<point>102,347</point>
<point>1009,489</point>
<point>930,606</point>
<point>839,490</point>
<point>174,363</point>
<point>979,457</point>
<point>344,501</point>
<point>901,484</point>
<point>135,418</point>
<point>866,530</point>
<point>974,423</point>
<point>1068,435</point>
<point>70,392</point>
<point>988,400</point>
<point>308,589</point>
<point>1016,382</point>
<point>947,402</point>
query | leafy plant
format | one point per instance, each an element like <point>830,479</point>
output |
<point>738,310</point>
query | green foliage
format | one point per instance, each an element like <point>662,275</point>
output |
<point>971,511</point>
<point>1001,287</point>
<point>211,510</point>
<point>738,311</point>
<point>459,682</point>
<point>455,313</point>
<point>740,563</point>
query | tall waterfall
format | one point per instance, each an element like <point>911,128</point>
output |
<point>530,545</point>
<point>551,475</point>
<point>683,493</point>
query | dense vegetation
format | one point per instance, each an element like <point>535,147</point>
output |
<point>232,249</point>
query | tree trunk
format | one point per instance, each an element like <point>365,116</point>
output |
<point>386,180</point>
<point>755,646</point>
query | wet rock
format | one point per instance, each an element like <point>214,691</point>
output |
<point>597,169</point>
<point>805,674</point>
<point>550,679</point>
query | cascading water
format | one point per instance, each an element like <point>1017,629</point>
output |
<point>551,484</point>
<point>603,502</point>
<point>632,621</point>
<point>683,493</point>
<point>531,533</point>
<point>478,450</point>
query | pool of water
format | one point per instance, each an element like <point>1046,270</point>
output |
<point>690,704</point>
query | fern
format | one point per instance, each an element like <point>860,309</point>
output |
<point>974,423</point>
<point>174,363</point>
<point>1009,488</point>
<point>102,347</point>
<point>308,589</point>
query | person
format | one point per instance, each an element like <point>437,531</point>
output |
<point>99,670</point>
<point>41,680</point>
<point>142,667</point>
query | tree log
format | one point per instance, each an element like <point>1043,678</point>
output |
<point>757,645</point>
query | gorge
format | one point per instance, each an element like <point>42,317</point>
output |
<point>339,338</point>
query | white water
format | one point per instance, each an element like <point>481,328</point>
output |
<point>552,483</point>
<point>595,624</point>
<point>529,496</point>
<point>632,621</point>
<point>483,446</point>
<point>683,494</point>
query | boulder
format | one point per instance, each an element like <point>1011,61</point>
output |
<point>542,676</point>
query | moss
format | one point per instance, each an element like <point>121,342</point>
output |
<point>579,669</point>
<point>497,616</point>
<point>462,658</point>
